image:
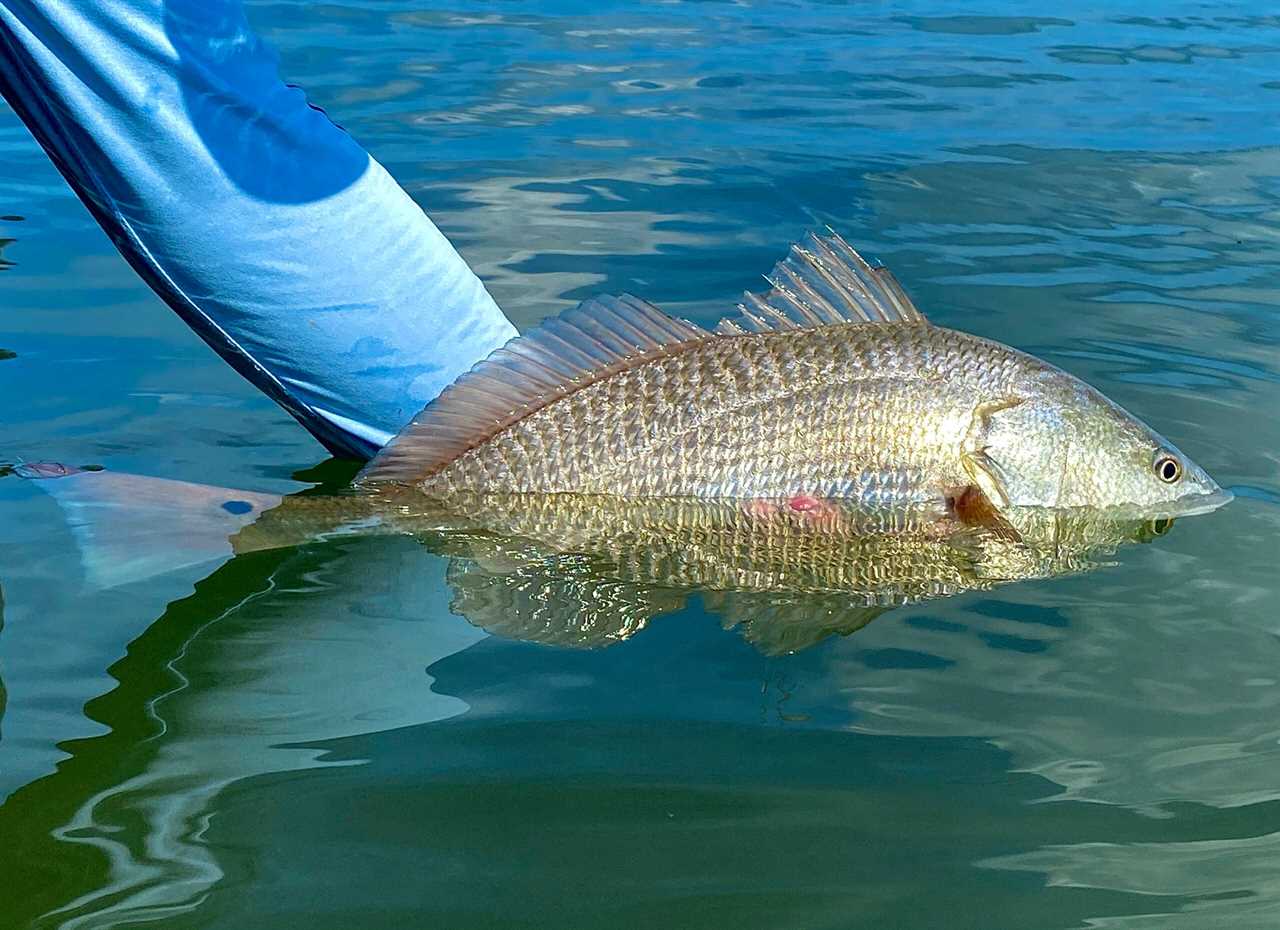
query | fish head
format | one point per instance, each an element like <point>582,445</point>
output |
<point>1057,442</point>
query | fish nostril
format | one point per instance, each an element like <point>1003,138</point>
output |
<point>237,507</point>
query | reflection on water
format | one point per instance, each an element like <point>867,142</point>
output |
<point>274,732</point>
<point>583,571</point>
<point>283,657</point>
<point>311,737</point>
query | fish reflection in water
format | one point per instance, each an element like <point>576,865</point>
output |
<point>589,571</point>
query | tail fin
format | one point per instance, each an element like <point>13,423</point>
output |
<point>131,527</point>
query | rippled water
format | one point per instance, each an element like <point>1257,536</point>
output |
<point>310,737</point>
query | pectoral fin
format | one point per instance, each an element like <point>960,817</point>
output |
<point>987,479</point>
<point>971,506</point>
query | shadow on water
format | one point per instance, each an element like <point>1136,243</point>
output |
<point>273,734</point>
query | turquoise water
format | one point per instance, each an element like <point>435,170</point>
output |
<point>310,738</point>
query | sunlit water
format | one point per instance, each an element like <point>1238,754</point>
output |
<point>310,738</point>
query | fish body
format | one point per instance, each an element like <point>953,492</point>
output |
<point>875,413</point>
<point>831,386</point>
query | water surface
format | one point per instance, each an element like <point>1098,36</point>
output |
<point>310,737</point>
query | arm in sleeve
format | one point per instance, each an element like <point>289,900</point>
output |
<point>270,231</point>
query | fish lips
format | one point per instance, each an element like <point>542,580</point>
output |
<point>1194,505</point>
<point>1191,505</point>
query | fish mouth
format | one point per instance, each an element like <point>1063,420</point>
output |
<point>1194,505</point>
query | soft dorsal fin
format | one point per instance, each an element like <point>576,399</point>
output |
<point>602,336</point>
<point>823,281</point>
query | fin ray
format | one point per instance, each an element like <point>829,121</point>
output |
<point>589,342</point>
<point>823,281</point>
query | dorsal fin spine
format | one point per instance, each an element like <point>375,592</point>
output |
<point>824,267</point>
<point>899,297</point>
<point>868,277</point>
<point>855,288</point>
<point>856,269</point>
<point>822,282</point>
<point>819,309</point>
<point>730,328</point>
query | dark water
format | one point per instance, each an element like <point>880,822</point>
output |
<point>309,738</point>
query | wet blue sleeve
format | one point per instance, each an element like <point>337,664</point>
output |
<point>279,240</point>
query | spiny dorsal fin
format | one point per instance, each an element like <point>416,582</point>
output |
<point>823,281</point>
<point>602,336</point>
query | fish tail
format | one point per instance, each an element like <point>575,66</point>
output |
<point>132,527</point>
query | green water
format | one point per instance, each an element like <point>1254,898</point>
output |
<point>310,738</point>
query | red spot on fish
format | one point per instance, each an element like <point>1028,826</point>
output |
<point>803,503</point>
<point>810,510</point>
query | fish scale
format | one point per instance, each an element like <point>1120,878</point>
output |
<point>766,415</point>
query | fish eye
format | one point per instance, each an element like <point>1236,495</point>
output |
<point>1161,526</point>
<point>1168,469</point>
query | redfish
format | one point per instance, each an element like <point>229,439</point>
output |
<point>830,386</point>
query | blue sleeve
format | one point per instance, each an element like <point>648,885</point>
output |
<point>279,240</point>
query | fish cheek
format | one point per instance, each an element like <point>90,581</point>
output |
<point>1020,456</point>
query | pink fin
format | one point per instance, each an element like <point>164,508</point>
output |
<point>602,336</point>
